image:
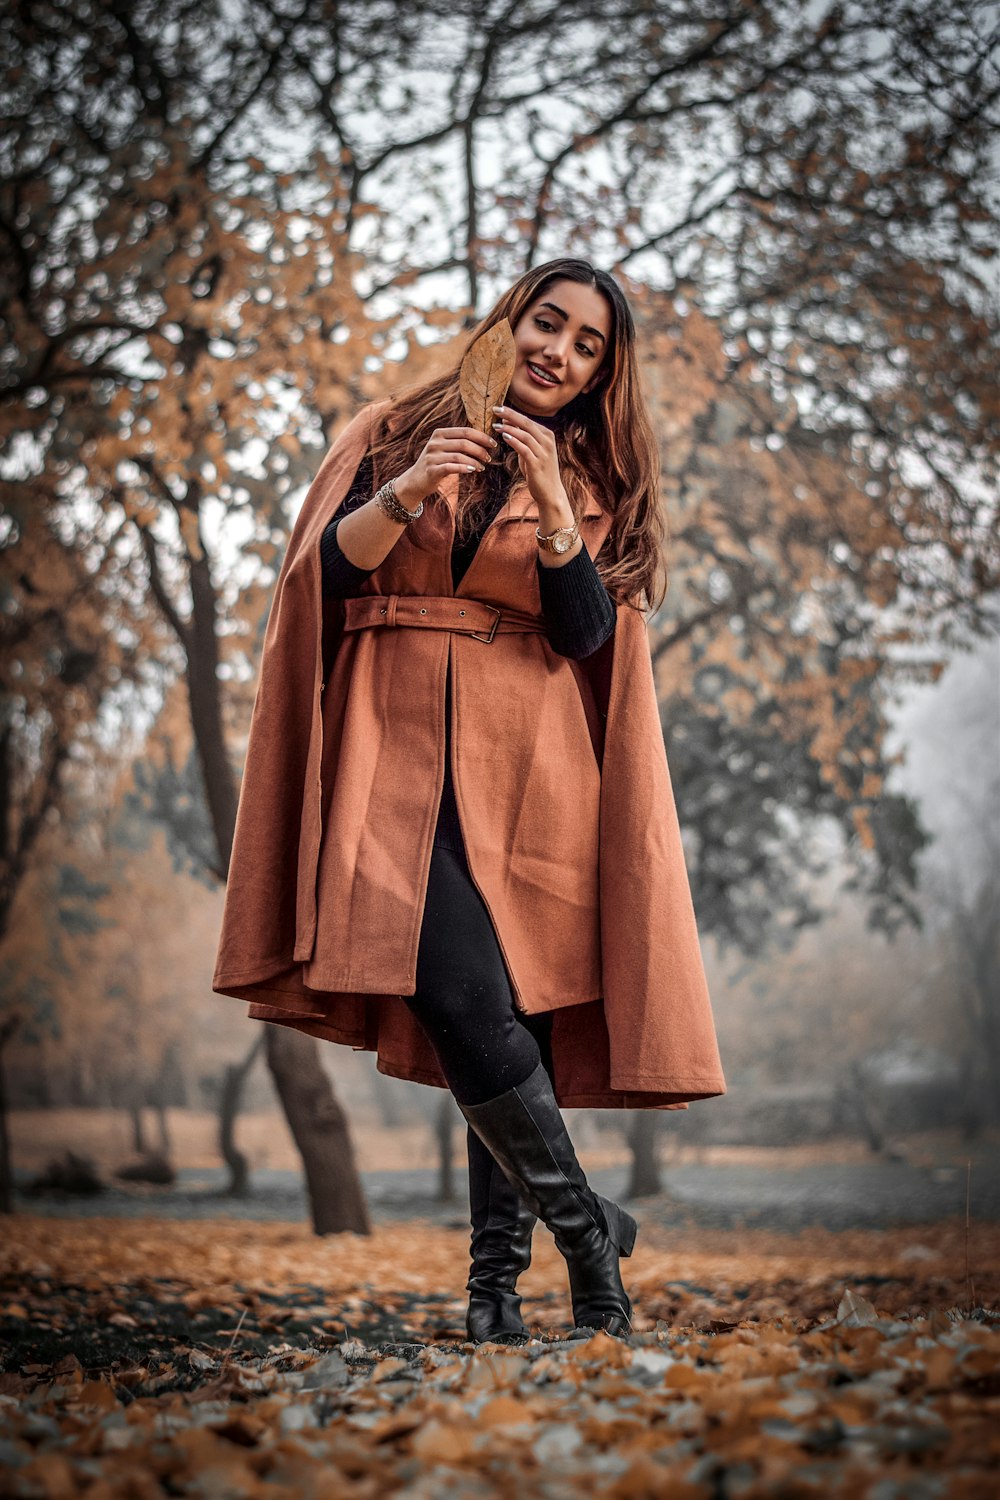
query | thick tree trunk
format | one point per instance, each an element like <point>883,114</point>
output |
<point>232,1090</point>
<point>643,1138</point>
<point>320,1130</point>
<point>317,1122</point>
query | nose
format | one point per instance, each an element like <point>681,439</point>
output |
<point>556,350</point>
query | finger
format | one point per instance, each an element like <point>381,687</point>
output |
<point>482,447</point>
<point>475,432</point>
<point>468,434</point>
<point>517,419</point>
<point>522,442</point>
<point>457,466</point>
<point>456,455</point>
<point>505,416</point>
<point>526,456</point>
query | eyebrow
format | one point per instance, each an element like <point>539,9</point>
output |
<point>584,327</point>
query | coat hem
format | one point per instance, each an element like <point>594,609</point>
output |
<point>651,1093</point>
<point>577,1100</point>
<point>234,981</point>
<point>277,1004</point>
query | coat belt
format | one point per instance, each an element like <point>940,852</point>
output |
<point>438,612</point>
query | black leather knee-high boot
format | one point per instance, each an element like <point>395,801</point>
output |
<point>525,1133</point>
<point>500,1250</point>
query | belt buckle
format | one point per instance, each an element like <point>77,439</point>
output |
<point>493,627</point>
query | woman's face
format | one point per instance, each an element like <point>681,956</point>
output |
<point>563,333</point>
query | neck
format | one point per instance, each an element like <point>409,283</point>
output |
<point>555,422</point>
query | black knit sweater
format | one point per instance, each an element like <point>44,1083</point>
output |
<point>579,612</point>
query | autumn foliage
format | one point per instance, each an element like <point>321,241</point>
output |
<point>224,228</point>
<point>213,1359</point>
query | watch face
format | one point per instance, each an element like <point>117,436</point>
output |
<point>562,544</point>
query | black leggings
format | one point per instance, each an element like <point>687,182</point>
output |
<point>463,998</point>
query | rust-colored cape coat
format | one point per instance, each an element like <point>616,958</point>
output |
<point>563,793</point>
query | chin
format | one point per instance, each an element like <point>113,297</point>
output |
<point>530,394</point>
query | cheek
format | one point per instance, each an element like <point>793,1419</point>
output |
<point>580,372</point>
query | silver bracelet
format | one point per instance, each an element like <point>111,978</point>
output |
<point>387,499</point>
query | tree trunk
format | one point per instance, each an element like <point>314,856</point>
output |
<point>858,1094</point>
<point>387,1099</point>
<point>138,1133</point>
<point>7,1030</point>
<point>205,699</point>
<point>232,1088</point>
<point>444,1121</point>
<point>643,1139</point>
<point>978,927</point>
<point>319,1128</point>
<point>971,1116</point>
<point>317,1122</point>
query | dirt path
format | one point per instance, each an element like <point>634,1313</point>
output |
<point>845,1195</point>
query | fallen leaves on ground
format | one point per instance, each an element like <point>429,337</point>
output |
<point>224,1359</point>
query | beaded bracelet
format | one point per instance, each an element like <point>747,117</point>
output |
<point>388,501</point>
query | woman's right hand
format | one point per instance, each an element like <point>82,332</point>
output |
<point>448,450</point>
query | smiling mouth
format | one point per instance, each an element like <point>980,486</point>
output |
<point>542,374</point>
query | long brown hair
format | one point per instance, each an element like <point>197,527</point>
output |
<point>604,438</point>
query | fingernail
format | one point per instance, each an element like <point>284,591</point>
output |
<point>499,408</point>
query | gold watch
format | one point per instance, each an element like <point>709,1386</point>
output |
<point>560,540</point>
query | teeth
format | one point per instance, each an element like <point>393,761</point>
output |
<point>543,374</point>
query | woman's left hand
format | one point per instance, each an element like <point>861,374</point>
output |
<point>535,447</point>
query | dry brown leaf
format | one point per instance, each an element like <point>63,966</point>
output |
<point>485,374</point>
<point>855,1311</point>
<point>791,1401</point>
<point>443,1442</point>
<point>505,1411</point>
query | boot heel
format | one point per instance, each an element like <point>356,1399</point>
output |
<point>621,1226</point>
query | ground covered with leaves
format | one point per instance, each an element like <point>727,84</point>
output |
<point>143,1359</point>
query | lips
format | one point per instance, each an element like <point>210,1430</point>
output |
<point>543,373</point>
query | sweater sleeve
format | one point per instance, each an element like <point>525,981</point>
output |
<point>341,578</point>
<point>579,612</point>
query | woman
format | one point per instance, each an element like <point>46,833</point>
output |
<point>489,887</point>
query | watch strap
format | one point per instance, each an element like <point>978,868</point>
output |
<point>548,542</point>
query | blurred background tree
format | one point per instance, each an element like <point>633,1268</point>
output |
<point>224,227</point>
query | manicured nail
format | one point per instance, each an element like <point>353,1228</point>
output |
<point>499,408</point>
